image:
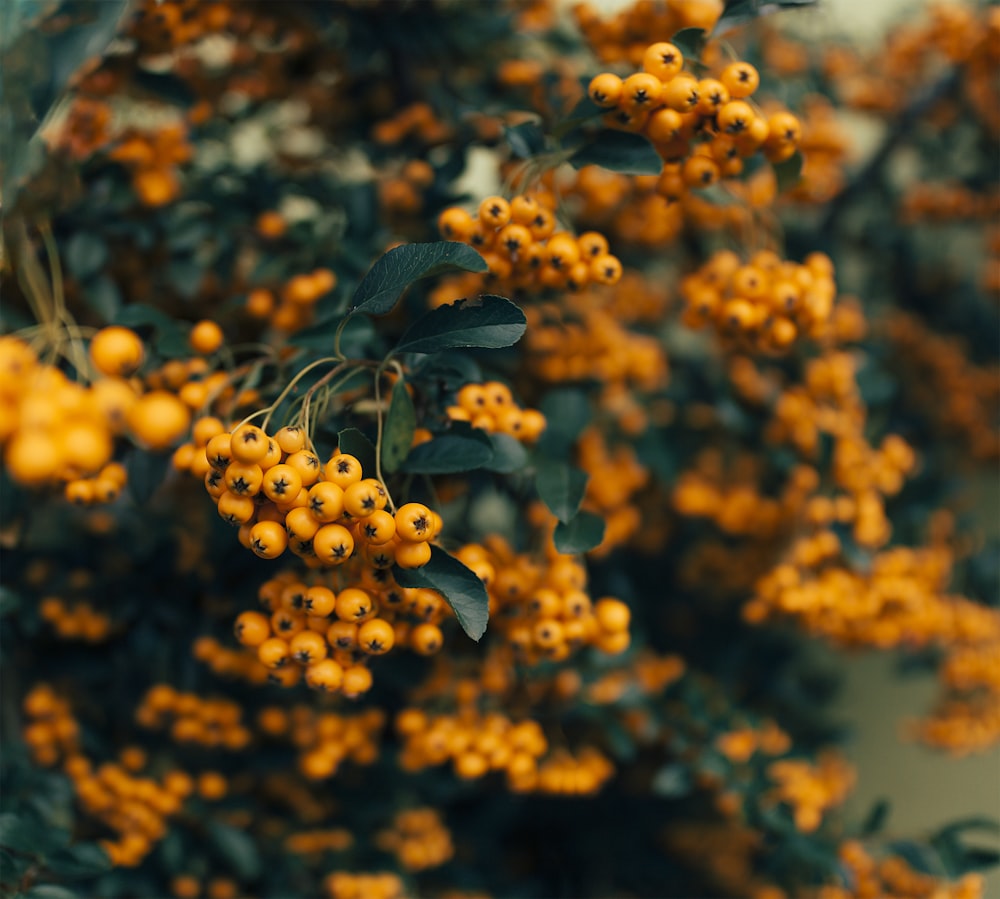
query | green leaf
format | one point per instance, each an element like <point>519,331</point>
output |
<point>580,534</point>
<point>672,781</point>
<point>86,254</point>
<point>146,471</point>
<point>82,860</point>
<point>10,602</point>
<point>353,442</point>
<point>567,412</point>
<point>19,833</point>
<point>876,818</point>
<point>561,487</point>
<point>50,891</point>
<point>354,339</point>
<point>619,151</point>
<point>509,454</point>
<point>103,296</point>
<point>400,423</point>
<point>462,589</point>
<point>385,282</point>
<point>488,321</point>
<point>585,110</point>
<point>526,140</point>
<point>461,448</point>
<point>739,12</point>
<point>691,42</point>
<point>237,848</point>
<point>789,172</point>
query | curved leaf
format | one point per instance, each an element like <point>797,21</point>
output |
<point>488,321</point>
<point>581,533</point>
<point>462,589</point>
<point>619,151</point>
<point>391,274</point>
<point>400,423</point>
<point>561,487</point>
<point>463,448</point>
<point>237,848</point>
<point>509,455</point>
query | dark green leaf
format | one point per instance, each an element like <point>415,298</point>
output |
<point>13,868</point>
<point>619,151</point>
<point>400,423</point>
<point>672,781</point>
<point>461,448</point>
<point>876,818</point>
<point>185,276</point>
<point>579,534</point>
<point>146,471</point>
<point>354,339</point>
<point>50,891</point>
<point>488,321</point>
<point>561,487</point>
<point>353,442</point>
<point>385,282</point>
<point>86,254</point>
<point>585,110</point>
<point>739,12</point>
<point>21,833</point>
<point>691,42</point>
<point>463,590</point>
<point>82,860</point>
<point>136,315</point>
<point>103,296</point>
<point>509,455</point>
<point>237,848</point>
<point>10,602</point>
<point>526,140</point>
<point>789,172</point>
<point>567,412</point>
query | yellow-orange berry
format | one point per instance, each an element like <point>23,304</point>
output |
<point>116,351</point>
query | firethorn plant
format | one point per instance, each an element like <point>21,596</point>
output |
<point>429,429</point>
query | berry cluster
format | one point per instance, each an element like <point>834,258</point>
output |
<point>280,496</point>
<point>79,621</point>
<point>705,127</point>
<point>473,743</point>
<point>361,885</point>
<point>292,306</point>
<point>492,408</point>
<point>418,838</point>
<point>809,789</point>
<point>211,723</point>
<point>153,158</point>
<point>542,607</point>
<point>330,636</point>
<point>524,251</point>
<point>566,774</point>
<point>766,303</point>
<point>325,740</point>
<point>136,808</point>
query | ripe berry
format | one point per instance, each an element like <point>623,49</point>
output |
<point>251,628</point>
<point>333,544</point>
<point>248,444</point>
<point>662,60</point>
<point>376,636</point>
<point>605,89</point>
<point>268,539</point>
<point>206,337</point>
<point>116,351</point>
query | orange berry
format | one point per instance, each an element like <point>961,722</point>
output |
<point>206,337</point>
<point>116,351</point>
